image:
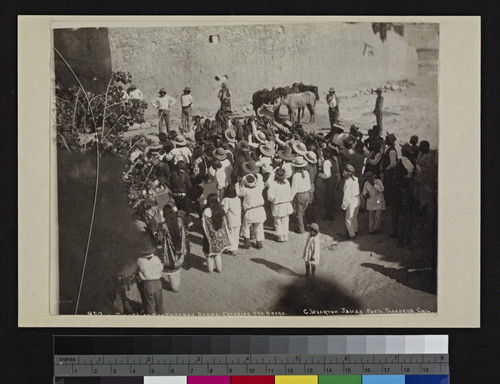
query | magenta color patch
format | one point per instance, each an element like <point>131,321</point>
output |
<point>209,380</point>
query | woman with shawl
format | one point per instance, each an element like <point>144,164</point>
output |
<point>216,239</point>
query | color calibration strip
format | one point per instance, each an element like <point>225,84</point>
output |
<point>280,359</point>
<point>353,379</point>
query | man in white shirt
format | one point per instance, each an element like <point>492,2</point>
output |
<point>186,105</point>
<point>333,107</point>
<point>149,270</point>
<point>350,203</point>
<point>250,189</point>
<point>163,104</point>
<point>134,93</point>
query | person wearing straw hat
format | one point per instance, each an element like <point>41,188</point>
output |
<point>163,103</point>
<point>333,107</point>
<point>187,107</point>
<point>226,168</point>
<point>251,168</point>
<point>312,250</point>
<point>230,135</point>
<point>301,188</point>
<point>312,170</point>
<point>250,188</point>
<point>284,158</point>
<point>379,106</point>
<point>261,137</point>
<point>330,175</point>
<point>299,148</point>
<point>266,158</point>
<point>150,269</point>
<point>389,163</point>
<point>280,196</point>
<point>373,191</point>
<point>181,151</point>
<point>350,202</point>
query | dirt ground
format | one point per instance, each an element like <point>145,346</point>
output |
<point>366,275</point>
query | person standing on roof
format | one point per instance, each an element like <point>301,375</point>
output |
<point>379,106</point>
<point>163,103</point>
<point>186,105</point>
<point>225,97</point>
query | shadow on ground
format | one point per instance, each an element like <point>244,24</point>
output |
<point>424,279</point>
<point>278,268</point>
<point>315,297</point>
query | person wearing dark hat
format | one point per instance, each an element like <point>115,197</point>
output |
<point>373,161</point>
<point>243,154</point>
<point>163,103</point>
<point>350,202</point>
<point>312,170</point>
<point>187,107</point>
<point>175,244</point>
<point>200,169</point>
<point>301,189</point>
<point>373,137</point>
<point>414,145</point>
<point>312,250</point>
<point>161,170</point>
<point>250,189</point>
<point>330,175</point>
<point>134,93</point>
<point>225,97</point>
<point>373,191</point>
<point>150,269</point>
<point>181,186</point>
<point>379,106</point>
<point>403,185</point>
<point>389,163</point>
<point>280,196</point>
<point>333,107</point>
<point>427,179</point>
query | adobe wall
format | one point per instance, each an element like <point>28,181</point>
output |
<point>346,56</point>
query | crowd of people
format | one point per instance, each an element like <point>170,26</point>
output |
<point>232,174</point>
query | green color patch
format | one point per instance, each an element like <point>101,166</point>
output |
<point>346,379</point>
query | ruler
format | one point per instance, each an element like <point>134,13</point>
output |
<point>248,365</point>
<point>289,357</point>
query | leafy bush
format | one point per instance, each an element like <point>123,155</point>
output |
<point>82,118</point>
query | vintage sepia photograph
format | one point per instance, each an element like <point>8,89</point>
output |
<point>247,169</point>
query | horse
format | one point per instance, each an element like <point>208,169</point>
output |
<point>300,87</point>
<point>259,98</point>
<point>295,101</point>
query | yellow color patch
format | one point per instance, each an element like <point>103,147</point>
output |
<point>305,379</point>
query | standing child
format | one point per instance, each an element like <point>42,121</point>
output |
<point>231,204</point>
<point>373,191</point>
<point>312,250</point>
